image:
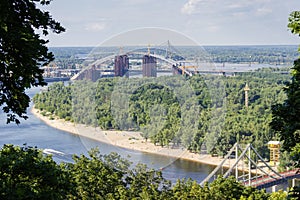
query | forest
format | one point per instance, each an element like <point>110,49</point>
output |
<point>26,173</point>
<point>203,112</point>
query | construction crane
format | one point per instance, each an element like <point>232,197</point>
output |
<point>183,68</point>
<point>50,67</point>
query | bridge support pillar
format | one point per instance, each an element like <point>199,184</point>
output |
<point>121,65</point>
<point>149,66</point>
<point>293,182</point>
<point>249,164</point>
<point>274,188</point>
<point>236,160</point>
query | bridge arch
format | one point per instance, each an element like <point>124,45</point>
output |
<point>141,52</point>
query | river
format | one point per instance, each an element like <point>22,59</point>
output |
<point>34,132</point>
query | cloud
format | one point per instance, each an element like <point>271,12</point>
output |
<point>190,7</point>
<point>95,26</point>
<point>213,28</point>
<point>136,2</point>
<point>227,7</point>
<point>239,14</point>
<point>263,11</point>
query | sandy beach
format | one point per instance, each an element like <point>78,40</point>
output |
<point>126,139</point>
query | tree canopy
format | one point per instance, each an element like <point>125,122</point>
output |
<point>156,111</point>
<point>22,52</point>
<point>286,116</point>
<point>294,22</point>
<point>25,173</point>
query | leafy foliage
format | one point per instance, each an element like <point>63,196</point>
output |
<point>25,173</point>
<point>28,174</point>
<point>294,22</point>
<point>285,119</point>
<point>286,116</point>
<point>154,109</point>
<point>22,52</point>
<point>94,179</point>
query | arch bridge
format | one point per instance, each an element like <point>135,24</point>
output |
<point>173,60</point>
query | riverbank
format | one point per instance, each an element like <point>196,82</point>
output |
<point>126,139</point>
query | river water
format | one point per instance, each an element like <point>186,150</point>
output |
<point>34,132</point>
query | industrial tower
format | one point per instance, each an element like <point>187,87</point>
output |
<point>246,89</point>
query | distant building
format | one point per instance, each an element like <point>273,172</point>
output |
<point>149,66</point>
<point>121,65</point>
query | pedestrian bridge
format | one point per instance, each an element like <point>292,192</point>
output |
<point>266,181</point>
<point>251,169</point>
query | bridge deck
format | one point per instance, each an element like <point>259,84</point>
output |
<point>267,181</point>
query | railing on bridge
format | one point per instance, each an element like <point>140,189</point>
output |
<point>266,182</point>
<point>265,176</point>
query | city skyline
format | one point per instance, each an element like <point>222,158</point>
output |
<point>207,22</point>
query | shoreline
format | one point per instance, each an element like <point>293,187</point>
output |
<point>127,139</point>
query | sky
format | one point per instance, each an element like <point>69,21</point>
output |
<point>207,22</point>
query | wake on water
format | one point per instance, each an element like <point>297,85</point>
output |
<point>53,152</point>
<point>58,155</point>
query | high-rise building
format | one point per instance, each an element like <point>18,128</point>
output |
<point>121,65</point>
<point>149,66</point>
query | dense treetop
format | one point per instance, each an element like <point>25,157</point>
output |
<point>22,52</point>
<point>25,173</point>
<point>213,116</point>
<point>286,115</point>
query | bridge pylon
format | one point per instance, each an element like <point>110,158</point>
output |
<point>163,53</point>
<point>248,167</point>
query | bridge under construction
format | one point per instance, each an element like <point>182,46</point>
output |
<point>118,64</point>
